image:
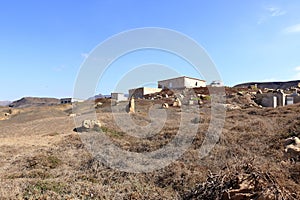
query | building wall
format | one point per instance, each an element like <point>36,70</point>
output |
<point>191,83</point>
<point>140,92</point>
<point>118,96</point>
<point>296,99</point>
<point>136,93</point>
<point>267,99</point>
<point>181,82</point>
<point>172,83</point>
<point>151,90</point>
<point>66,100</point>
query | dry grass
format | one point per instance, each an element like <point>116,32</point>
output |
<point>43,158</point>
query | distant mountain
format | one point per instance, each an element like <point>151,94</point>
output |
<point>4,103</point>
<point>271,85</point>
<point>99,96</point>
<point>34,101</point>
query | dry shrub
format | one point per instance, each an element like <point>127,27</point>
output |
<point>241,181</point>
<point>294,171</point>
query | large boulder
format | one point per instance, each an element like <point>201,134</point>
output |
<point>292,148</point>
<point>98,105</point>
<point>177,103</point>
<point>90,124</point>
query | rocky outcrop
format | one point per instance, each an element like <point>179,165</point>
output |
<point>90,124</point>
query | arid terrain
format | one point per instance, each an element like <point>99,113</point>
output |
<point>42,157</point>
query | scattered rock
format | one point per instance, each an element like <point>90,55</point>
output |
<point>89,124</point>
<point>158,96</point>
<point>72,115</point>
<point>98,105</point>
<point>240,93</point>
<point>292,148</point>
<point>177,103</point>
<point>191,102</point>
<point>197,120</point>
<point>259,92</point>
<point>200,102</point>
<point>231,107</point>
<point>165,105</point>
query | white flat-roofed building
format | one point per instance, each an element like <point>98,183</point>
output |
<point>70,100</point>
<point>118,96</point>
<point>181,82</point>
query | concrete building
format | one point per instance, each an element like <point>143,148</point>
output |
<point>70,100</point>
<point>118,96</point>
<point>271,99</point>
<point>142,91</point>
<point>279,98</point>
<point>65,100</point>
<point>181,83</point>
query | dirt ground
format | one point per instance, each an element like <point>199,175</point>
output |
<point>42,157</point>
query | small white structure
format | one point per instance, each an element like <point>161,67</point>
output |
<point>217,83</point>
<point>181,83</point>
<point>118,96</point>
<point>142,91</point>
<point>74,100</point>
<point>70,100</point>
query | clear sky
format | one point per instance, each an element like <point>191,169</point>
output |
<point>44,43</point>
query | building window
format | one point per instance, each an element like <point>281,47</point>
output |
<point>196,83</point>
<point>170,85</point>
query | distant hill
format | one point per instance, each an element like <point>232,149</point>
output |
<point>99,96</point>
<point>34,101</point>
<point>4,103</point>
<point>271,85</point>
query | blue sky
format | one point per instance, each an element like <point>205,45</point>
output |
<point>44,43</point>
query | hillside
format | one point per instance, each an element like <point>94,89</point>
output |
<point>271,85</point>
<point>44,158</point>
<point>34,101</point>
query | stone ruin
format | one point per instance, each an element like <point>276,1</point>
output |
<point>130,108</point>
